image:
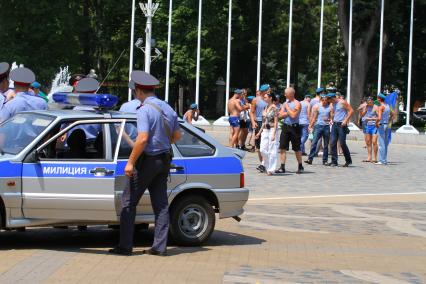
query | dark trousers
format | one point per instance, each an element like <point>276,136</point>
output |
<point>152,174</point>
<point>338,133</point>
<point>324,132</point>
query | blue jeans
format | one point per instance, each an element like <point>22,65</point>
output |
<point>338,133</point>
<point>324,132</point>
<point>383,132</point>
<point>305,135</point>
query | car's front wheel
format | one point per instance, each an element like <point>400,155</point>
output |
<point>192,220</point>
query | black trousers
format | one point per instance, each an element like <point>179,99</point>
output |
<point>151,173</point>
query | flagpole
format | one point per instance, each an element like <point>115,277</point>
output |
<point>228,59</point>
<point>132,39</point>
<point>169,43</point>
<point>289,44</point>
<point>259,46</point>
<point>320,45</point>
<point>348,94</point>
<point>379,80</point>
<point>197,75</point>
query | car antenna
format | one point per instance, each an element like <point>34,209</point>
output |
<point>109,72</point>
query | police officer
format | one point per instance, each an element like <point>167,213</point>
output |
<point>133,105</point>
<point>25,99</point>
<point>74,79</point>
<point>148,165</point>
<point>5,92</point>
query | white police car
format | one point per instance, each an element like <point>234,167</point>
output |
<point>66,167</point>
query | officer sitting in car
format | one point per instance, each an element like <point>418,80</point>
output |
<point>148,166</point>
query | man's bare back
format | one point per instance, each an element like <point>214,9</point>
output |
<point>234,107</point>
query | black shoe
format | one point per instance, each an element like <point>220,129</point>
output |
<point>300,170</point>
<point>280,171</point>
<point>347,164</point>
<point>304,154</point>
<point>332,164</point>
<point>309,162</point>
<point>154,252</point>
<point>261,168</point>
<point>324,163</point>
<point>121,251</point>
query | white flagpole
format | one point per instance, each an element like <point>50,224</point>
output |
<point>228,59</point>
<point>132,39</point>
<point>197,75</point>
<point>348,95</point>
<point>320,45</point>
<point>259,46</point>
<point>169,43</point>
<point>289,43</point>
<point>410,61</point>
<point>379,80</point>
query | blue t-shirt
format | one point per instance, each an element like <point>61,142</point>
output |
<point>290,120</point>
<point>303,117</point>
<point>151,121</point>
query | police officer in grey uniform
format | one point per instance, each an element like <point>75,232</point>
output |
<point>4,82</point>
<point>25,99</point>
<point>133,105</point>
<point>148,166</point>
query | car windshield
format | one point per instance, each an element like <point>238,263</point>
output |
<point>19,131</point>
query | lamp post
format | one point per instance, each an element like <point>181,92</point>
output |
<point>379,80</point>
<point>289,44</point>
<point>228,59</point>
<point>259,46</point>
<point>197,75</point>
<point>132,39</point>
<point>348,94</point>
<point>320,45</point>
<point>407,128</point>
<point>149,10</point>
<point>169,43</point>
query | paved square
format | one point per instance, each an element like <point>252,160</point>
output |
<point>363,224</point>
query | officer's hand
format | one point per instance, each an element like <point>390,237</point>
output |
<point>129,169</point>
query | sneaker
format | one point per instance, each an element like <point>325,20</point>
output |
<point>380,163</point>
<point>309,162</point>
<point>280,171</point>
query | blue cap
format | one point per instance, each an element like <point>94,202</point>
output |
<point>193,106</point>
<point>36,85</point>
<point>319,90</point>
<point>238,91</point>
<point>87,85</point>
<point>382,96</point>
<point>4,69</point>
<point>264,87</point>
<point>323,95</point>
<point>331,95</point>
<point>22,76</point>
<point>250,98</point>
<point>308,95</point>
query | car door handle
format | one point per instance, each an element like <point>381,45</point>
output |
<point>100,172</point>
<point>176,168</point>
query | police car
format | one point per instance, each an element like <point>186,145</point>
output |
<point>53,173</point>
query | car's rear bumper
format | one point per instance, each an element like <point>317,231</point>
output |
<point>231,201</point>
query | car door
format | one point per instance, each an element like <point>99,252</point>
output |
<point>177,173</point>
<point>66,182</point>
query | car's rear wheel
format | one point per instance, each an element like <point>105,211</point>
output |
<point>192,221</point>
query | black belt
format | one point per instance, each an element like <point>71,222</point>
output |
<point>383,124</point>
<point>157,155</point>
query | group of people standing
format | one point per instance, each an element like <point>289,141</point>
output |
<point>278,122</point>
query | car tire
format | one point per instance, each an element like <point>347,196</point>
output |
<point>192,221</point>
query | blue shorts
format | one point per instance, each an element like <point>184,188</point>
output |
<point>370,129</point>
<point>234,121</point>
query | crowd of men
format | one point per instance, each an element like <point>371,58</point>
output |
<point>278,121</point>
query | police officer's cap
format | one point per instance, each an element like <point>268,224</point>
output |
<point>264,87</point>
<point>382,96</point>
<point>319,90</point>
<point>131,85</point>
<point>87,85</point>
<point>75,78</point>
<point>4,70</point>
<point>144,80</point>
<point>22,76</point>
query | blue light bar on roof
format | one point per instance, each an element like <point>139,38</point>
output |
<point>94,100</point>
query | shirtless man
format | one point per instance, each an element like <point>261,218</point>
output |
<point>234,109</point>
<point>192,113</point>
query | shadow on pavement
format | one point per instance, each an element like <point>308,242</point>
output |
<point>98,239</point>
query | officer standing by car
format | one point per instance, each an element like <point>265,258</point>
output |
<point>148,166</point>
<point>24,100</point>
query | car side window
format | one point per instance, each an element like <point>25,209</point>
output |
<point>130,133</point>
<point>82,142</point>
<point>191,145</point>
